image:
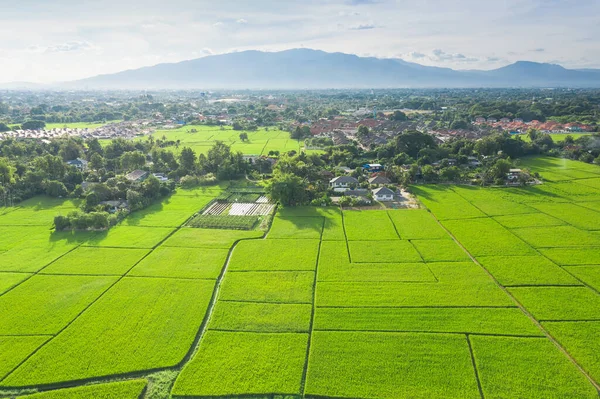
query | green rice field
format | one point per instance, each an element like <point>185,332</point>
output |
<point>482,293</point>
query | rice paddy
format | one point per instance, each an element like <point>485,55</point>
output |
<point>456,300</point>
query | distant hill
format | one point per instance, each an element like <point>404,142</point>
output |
<point>313,69</point>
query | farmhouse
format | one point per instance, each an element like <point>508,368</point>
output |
<point>342,183</point>
<point>383,194</point>
<point>379,180</point>
<point>137,176</point>
<point>373,167</point>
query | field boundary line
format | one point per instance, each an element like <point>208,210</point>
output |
<point>312,317</point>
<point>474,366</point>
<point>346,236</point>
<point>520,305</point>
<point>387,212</point>
<point>541,336</point>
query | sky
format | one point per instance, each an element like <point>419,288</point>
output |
<point>47,41</point>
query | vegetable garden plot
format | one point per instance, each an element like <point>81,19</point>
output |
<point>9,280</point>
<point>445,250</point>
<point>504,321</point>
<point>529,220</point>
<point>202,263</point>
<point>97,261</point>
<point>369,226</point>
<point>272,287</point>
<point>224,222</point>
<point>131,237</point>
<point>296,227</point>
<point>390,365</point>
<point>573,214</point>
<point>274,255</point>
<point>45,304</point>
<point>559,303</point>
<point>588,274</point>
<point>445,203</point>
<point>487,237</point>
<point>512,367</point>
<point>116,390</point>
<point>580,339</point>
<point>261,317</point>
<point>207,238</point>
<point>415,224</point>
<point>392,251</point>
<point>526,270</point>
<point>572,256</point>
<point>140,324</point>
<point>557,236</point>
<point>13,350</point>
<point>238,363</point>
<point>389,294</point>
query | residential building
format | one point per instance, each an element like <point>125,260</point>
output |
<point>383,194</point>
<point>373,167</point>
<point>379,181</point>
<point>137,176</point>
<point>513,174</point>
<point>79,163</point>
<point>343,183</point>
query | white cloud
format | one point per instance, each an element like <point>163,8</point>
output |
<point>363,27</point>
<point>241,21</point>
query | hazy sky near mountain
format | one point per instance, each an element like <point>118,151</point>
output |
<point>59,40</point>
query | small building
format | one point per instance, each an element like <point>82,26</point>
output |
<point>373,167</point>
<point>360,193</point>
<point>344,169</point>
<point>79,163</point>
<point>343,183</point>
<point>137,176</point>
<point>480,119</point>
<point>379,181</point>
<point>161,177</point>
<point>114,206</point>
<point>513,174</point>
<point>492,120</point>
<point>452,162</point>
<point>505,120</point>
<point>383,194</point>
<point>474,162</point>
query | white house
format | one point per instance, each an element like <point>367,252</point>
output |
<point>383,194</point>
<point>342,183</point>
<point>79,163</point>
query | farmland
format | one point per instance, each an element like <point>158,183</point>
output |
<point>482,293</point>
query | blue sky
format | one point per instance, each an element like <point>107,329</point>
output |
<point>59,40</point>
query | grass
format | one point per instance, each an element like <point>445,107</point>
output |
<point>507,321</point>
<point>207,238</point>
<point>440,251</point>
<point>261,255</point>
<point>392,251</point>
<point>46,304</point>
<point>132,237</point>
<point>116,390</point>
<point>296,227</point>
<point>261,317</point>
<point>238,363</point>
<point>526,270</point>
<point>527,368</point>
<point>483,237</point>
<point>369,225</point>
<point>141,323</point>
<point>391,294</point>
<point>559,303</point>
<point>33,255</point>
<point>445,203</point>
<point>200,263</point>
<point>416,224</point>
<point>588,274</point>
<point>14,349</point>
<point>572,256</point>
<point>369,365</point>
<point>580,339</point>
<point>272,287</point>
<point>96,261</point>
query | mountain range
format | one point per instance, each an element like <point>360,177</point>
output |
<point>314,69</point>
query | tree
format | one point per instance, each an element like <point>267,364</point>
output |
<point>70,149</point>
<point>413,141</point>
<point>52,166</point>
<point>300,132</point>
<point>56,189</point>
<point>287,189</point>
<point>4,127</point>
<point>460,124</point>
<point>398,116</point>
<point>132,160</point>
<point>33,125</point>
<point>96,161</point>
<point>187,160</point>
<point>244,136</point>
<point>362,133</point>
<point>7,172</point>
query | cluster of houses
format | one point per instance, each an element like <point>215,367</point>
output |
<point>519,126</point>
<point>379,189</point>
<point>125,130</point>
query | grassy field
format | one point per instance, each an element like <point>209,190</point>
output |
<point>440,302</point>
